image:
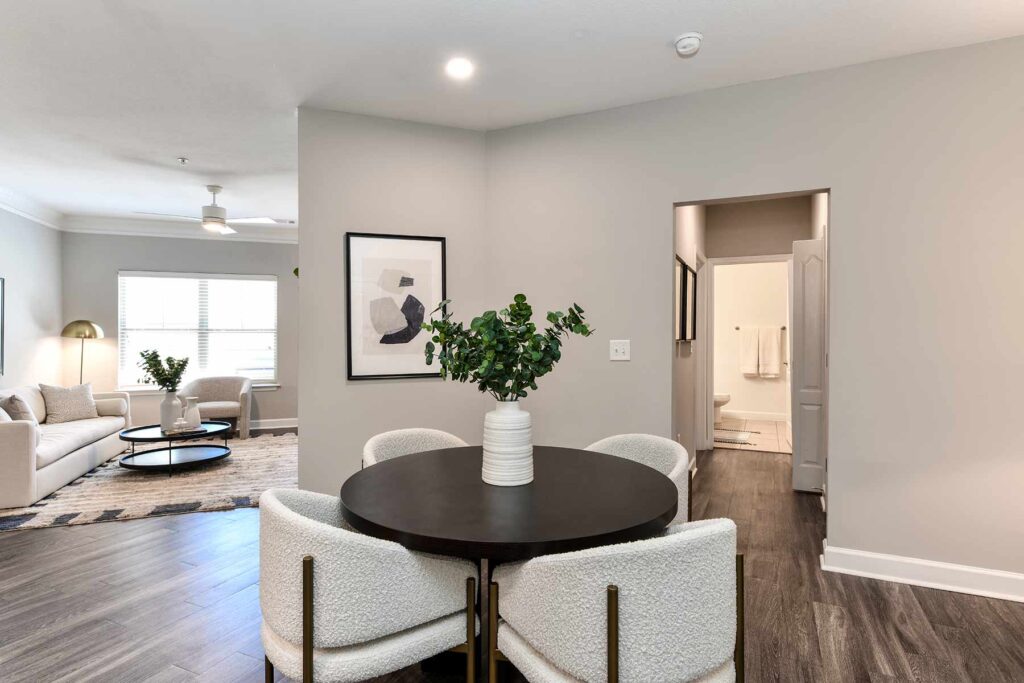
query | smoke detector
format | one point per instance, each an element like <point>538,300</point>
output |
<point>688,44</point>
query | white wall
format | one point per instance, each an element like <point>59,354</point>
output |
<point>30,263</point>
<point>689,244</point>
<point>364,174</point>
<point>819,215</point>
<point>924,184</point>
<point>755,295</point>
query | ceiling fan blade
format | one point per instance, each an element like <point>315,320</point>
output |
<point>227,231</point>
<point>168,215</point>
<point>261,220</point>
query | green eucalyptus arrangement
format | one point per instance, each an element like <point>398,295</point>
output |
<point>501,352</point>
<point>167,377</point>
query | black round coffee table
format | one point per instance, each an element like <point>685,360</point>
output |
<point>436,502</point>
<point>174,457</point>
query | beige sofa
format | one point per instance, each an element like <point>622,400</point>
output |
<point>37,461</point>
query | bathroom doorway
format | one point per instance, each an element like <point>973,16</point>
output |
<point>760,346</point>
<point>750,352</point>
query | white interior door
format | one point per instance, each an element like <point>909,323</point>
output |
<point>808,369</point>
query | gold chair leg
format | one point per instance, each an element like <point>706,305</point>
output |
<point>470,630</point>
<point>307,619</point>
<point>738,654</point>
<point>613,634</point>
<point>268,670</point>
<point>689,495</point>
<point>492,635</point>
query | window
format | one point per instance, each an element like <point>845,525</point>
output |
<point>224,324</point>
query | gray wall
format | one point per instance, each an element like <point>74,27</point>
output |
<point>758,228</point>
<point>923,158</point>
<point>91,264</point>
<point>30,265</point>
<point>364,174</point>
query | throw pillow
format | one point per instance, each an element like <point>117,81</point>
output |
<point>68,404</point>
<point>18,408</point>
<point>4,417</point>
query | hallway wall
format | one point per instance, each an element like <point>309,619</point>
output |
<point>578,207</point>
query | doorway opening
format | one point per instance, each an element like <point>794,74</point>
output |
<point>753,375</point>
<point>750,352</point>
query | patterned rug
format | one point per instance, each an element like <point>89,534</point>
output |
<point>111,492</point>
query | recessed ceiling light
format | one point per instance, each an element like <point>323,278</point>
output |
<point>459,68</point>
<point>688,44</point>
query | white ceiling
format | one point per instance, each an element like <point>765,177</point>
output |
<point>99,97</point>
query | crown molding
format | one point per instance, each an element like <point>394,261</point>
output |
<point>22,206</point>
<point>132,226</point>
<point>173,229</point>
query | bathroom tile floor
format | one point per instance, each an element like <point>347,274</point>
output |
<point>767,436</point>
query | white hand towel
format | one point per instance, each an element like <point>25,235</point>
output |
<point>748,350</point>
<point>770,351</point>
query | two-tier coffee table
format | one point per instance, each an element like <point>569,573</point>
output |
<point>175,457</point>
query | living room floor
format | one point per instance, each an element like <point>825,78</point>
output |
<point>176,599</point>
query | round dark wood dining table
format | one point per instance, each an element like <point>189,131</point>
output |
<point>436,502</point>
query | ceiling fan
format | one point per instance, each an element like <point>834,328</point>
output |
<point>215,218</point>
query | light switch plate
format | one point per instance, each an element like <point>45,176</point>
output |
<point>618,349</point>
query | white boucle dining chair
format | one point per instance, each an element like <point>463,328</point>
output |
<point>339,606</point>
<point>405,441</point>
<point>664,455</point>
<point>664,609</point>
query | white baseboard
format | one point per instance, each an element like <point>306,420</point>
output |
<point>960,578</point>
<point>752,415</point>
<point>280,423</point>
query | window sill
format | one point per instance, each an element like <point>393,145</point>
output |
<point>149,391</point>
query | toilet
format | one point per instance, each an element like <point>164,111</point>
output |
<point>720,400</point>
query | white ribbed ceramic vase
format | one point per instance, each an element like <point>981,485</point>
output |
<point>170,410</point>
<point>508,446</point>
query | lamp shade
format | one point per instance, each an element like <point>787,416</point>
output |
<point>82,329</point>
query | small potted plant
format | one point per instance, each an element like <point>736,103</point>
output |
<point>167,376</point>
<point>504,354</point>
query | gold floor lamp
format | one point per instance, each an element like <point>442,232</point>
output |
<point>82,329</point>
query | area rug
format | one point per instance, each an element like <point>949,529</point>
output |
<point>111,492</point>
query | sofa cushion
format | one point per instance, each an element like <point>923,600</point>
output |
<point>32,396</point>
<point>4,417</point>
<point>111,406</point>
<point>67,404</point>
<point>57,440</point>
<point>18,408</point>
<point>215,409</point>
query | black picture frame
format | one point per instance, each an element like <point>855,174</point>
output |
<point>351,374</point>
<point>686,290</point>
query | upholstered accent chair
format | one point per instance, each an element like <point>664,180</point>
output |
<point>223,398</point>
<point>339,606</point>
<point>664,455</point>
<point>405,441</point>
<point>664,609</point>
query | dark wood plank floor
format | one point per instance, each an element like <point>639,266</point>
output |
<point>175,599</point>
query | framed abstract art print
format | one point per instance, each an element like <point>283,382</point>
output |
<point>394,282</point>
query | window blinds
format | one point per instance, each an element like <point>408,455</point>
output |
<point>224,324</point>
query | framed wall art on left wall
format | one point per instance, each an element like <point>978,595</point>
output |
<point>2,325</point>
<point>393,283</point>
